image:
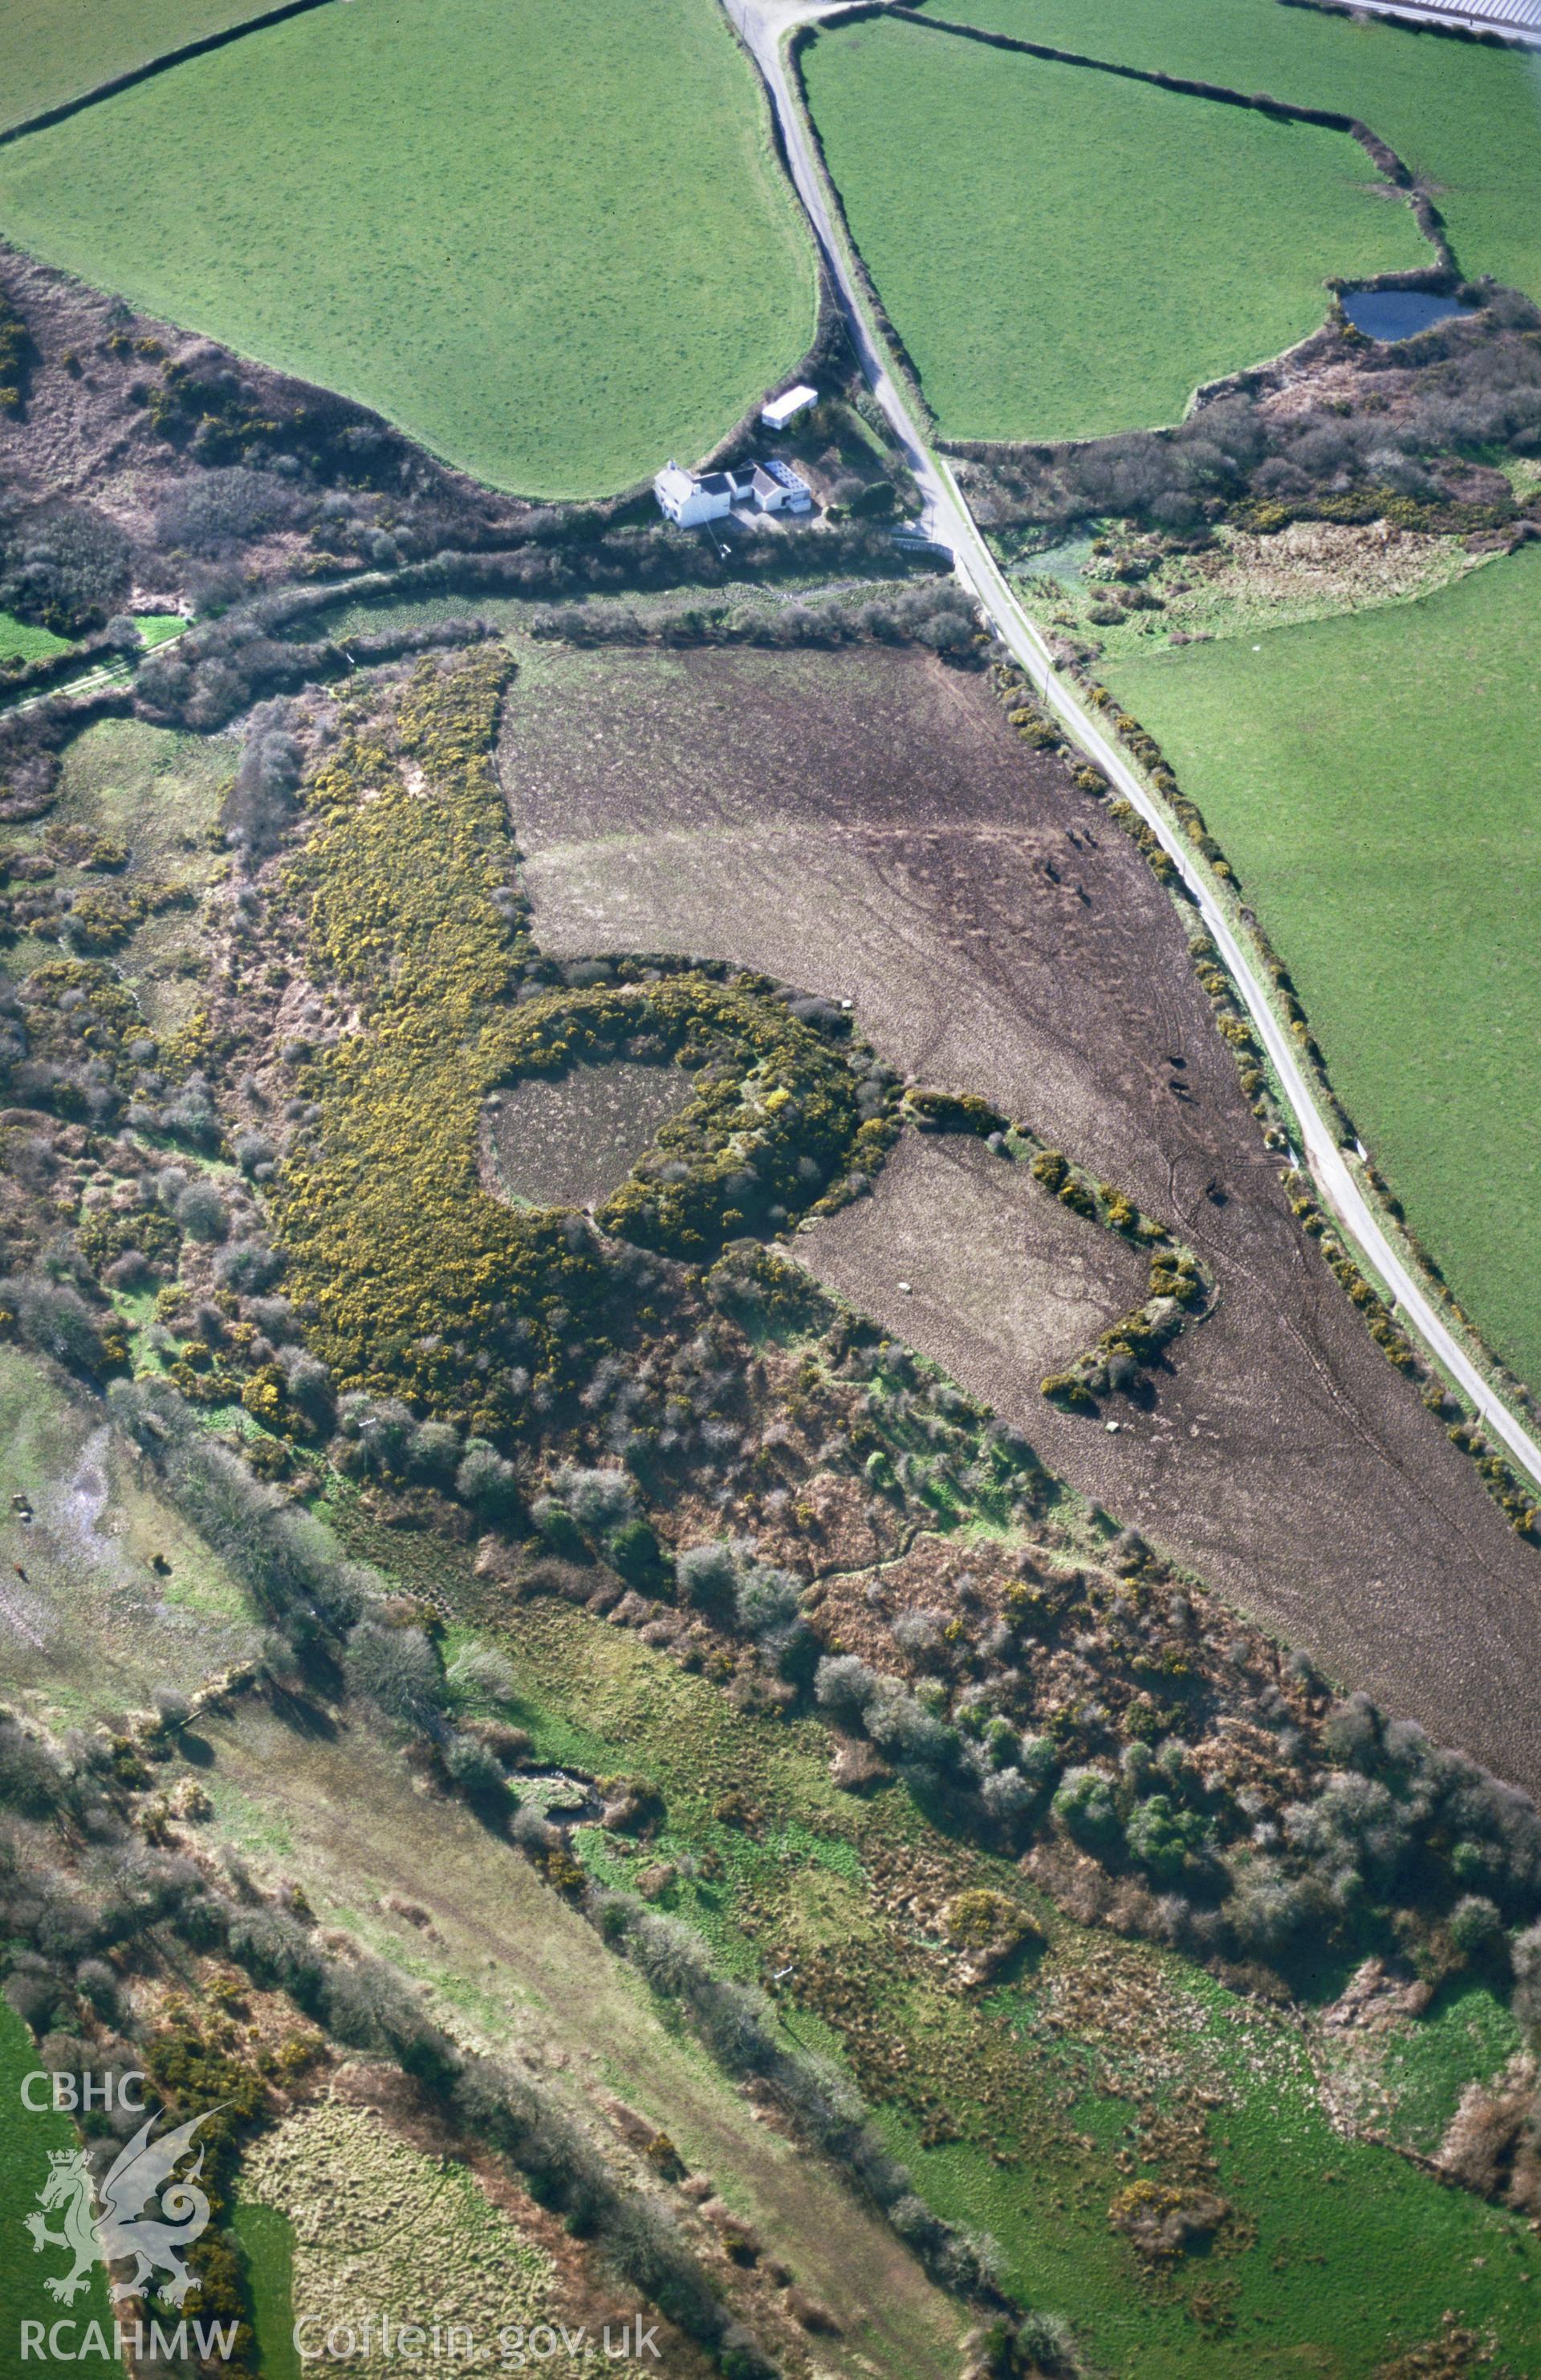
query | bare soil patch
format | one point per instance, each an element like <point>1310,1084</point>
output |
<point>868,826</point>
<point>953,1230</point>
<point>569,1140</point>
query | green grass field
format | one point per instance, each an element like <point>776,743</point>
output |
<point>22,640</point>
<point>1467,116</point>
<point>549,240</point>
<point>27,2141</point>
<point>268,2237</point>
<point>53,50</point>
<point>1373,781</point>
<point>1067,254</point>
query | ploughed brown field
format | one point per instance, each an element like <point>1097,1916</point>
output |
<point>868,826</point>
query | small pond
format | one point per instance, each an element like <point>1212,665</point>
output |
<point>569,1140</point>
<point>1388,314</point>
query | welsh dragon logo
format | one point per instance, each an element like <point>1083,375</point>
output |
<point>111,2222</point>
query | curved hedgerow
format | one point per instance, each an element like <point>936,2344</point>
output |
<point>423,1284</point>
<point>774,1117</point>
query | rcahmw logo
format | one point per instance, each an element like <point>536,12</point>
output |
<point>113,2222</point>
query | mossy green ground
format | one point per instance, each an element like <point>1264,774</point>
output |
<point>267,2238</point>
<point>53,50</point>
<point>1067,253</point>
<point>27,2141</point>
<point>22,640</point>
<point>158,628</point>
<point>548,240</point>
<point>1466,116</point>
<point>1371,779</point>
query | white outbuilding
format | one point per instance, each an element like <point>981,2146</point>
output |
<point>781,410</point>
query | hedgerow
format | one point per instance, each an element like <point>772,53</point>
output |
<point>16,355</point>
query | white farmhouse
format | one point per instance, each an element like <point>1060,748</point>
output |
<point>691,497</point>
<point>689,500</point>
<point>775,416</point>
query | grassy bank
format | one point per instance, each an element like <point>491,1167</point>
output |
<point>1037,234</point>
<point>1467,116</point>
<point>482,220</point>
<point>1370,778</point>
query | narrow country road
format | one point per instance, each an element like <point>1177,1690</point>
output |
<point>765,25</point>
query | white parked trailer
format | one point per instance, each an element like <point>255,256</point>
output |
<point>782,410</point>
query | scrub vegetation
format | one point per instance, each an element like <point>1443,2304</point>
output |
<point>122,862</point>
<point>1035,232</point>
<point>414,1291</point>
<point>1367,779</point>
<point>852,1696</point>
<point>546,277</point>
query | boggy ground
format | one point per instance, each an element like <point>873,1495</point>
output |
<point>869,827</point>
